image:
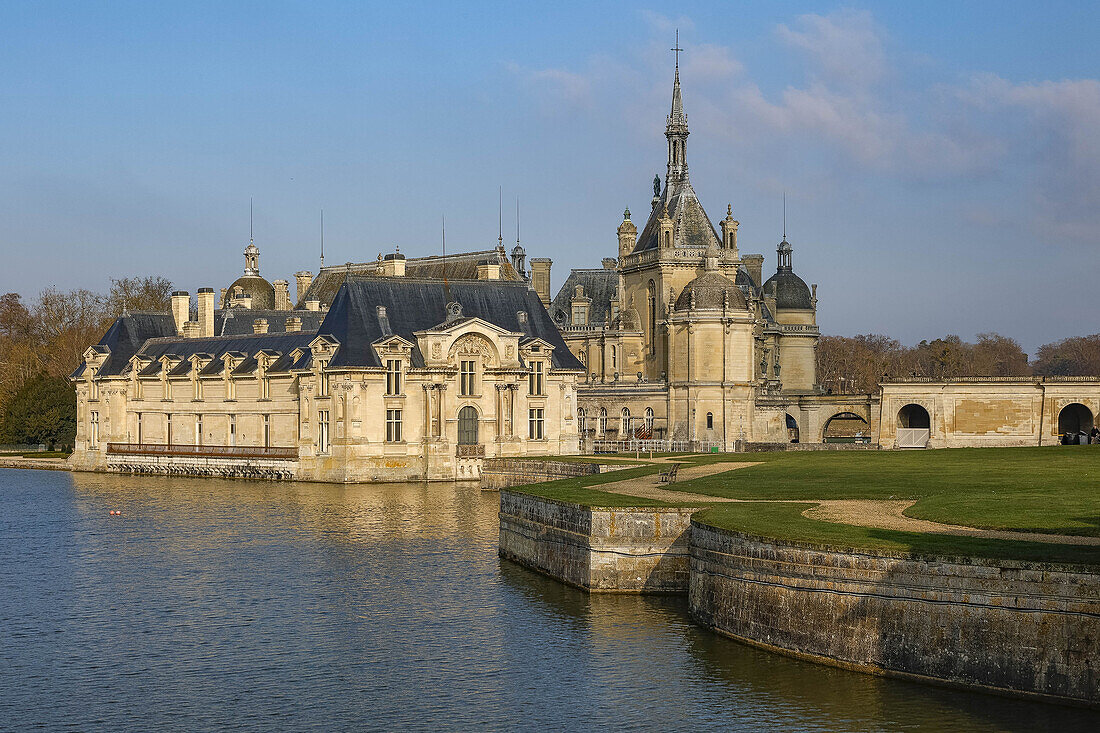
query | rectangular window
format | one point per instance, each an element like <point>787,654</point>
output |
<point>467,373</point>
<point>534,378</point>
<point>168,429</point>
<point>197,389</point>
<point>198,429</point>
<point>265,388</point>
<point>232,430</point>
<point>230,389</point>
<point>393,426</point>
<point>267,431</point>
<point>322,431</point>
<point>167,389</point>
<point>535,423</point>
<point>580,315</point>
<point>323,381</point>
<point>393,376</point>
<point>93,390</point>
<point>139,427</point>
<point>93,432</point>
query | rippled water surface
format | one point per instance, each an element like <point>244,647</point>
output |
<point>275,606</point>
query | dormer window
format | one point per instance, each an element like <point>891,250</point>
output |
<point>535,385</point>
<point>580,315</point>
<point>322,379</point>
<point>467,377</point>
<point>393,377</point>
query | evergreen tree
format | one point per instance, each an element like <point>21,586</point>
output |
<point>43,410</point>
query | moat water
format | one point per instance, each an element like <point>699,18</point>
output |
<point>279,606</point>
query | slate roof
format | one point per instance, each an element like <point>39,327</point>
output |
<point>712,291</point>
<point>691,227</point>
<point>238,321</point>
<point>789,290</point>
<point>601,285</point>
<point>217,347</point>
<point>415,304</point>
<point>127,335</point>
<point>460,266</point>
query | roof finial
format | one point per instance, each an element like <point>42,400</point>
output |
<point>322,237</point>
<point>250,220</point>
<point>517,221</point>
<point>677,49</point>
<point>784,215</point>
<point>500,216</point>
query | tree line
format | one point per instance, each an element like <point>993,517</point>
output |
<point>856,364</point>
<point>43,340</point>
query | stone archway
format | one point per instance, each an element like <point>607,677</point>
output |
<point>914,427</point>
<point>846,427</point>
<point>1075,418</point>
<point>792,429</point>
<point>914,416</point>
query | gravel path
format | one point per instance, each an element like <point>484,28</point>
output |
<point>876,513</point>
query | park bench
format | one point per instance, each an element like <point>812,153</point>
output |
<point>669,476</point>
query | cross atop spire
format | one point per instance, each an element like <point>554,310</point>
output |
<point>676,130</point>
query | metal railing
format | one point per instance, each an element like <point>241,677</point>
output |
<point>653,446</point>
<point>201,451</point>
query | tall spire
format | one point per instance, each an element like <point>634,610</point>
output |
<point>251,252</point>
<point>676,128</point>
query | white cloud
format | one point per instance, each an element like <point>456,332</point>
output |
<point>844,47</point>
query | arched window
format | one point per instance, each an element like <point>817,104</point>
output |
<point>614,359</point>
<point>580,420</point>
<point>467,426</point>
<point>625,422</point>
<point>710,421</point>
<point>602,426</point>
<point>649,419</point>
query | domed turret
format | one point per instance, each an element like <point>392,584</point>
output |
<point>789,290</point>
<point>259,292</point>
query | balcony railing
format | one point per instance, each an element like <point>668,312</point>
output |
<point>470,451</point>
<point>201,451</point>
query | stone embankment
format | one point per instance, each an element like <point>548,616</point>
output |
<point>624,550</point>
<point>501,473</point>
<point>1007,626</point>
<point>1012,627</point>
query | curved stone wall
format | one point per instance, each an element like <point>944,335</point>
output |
<point>1019,627</point>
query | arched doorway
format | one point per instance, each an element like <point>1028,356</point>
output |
<point>1074,419</point>
<point>914,416</point>
<point>467,426</point>
<point>846,427</point>
<point>792,429</point>
<point>914,427</point>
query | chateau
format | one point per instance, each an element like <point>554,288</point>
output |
<point>408,369</point>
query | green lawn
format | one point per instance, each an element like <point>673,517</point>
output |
<point>1053,489</point>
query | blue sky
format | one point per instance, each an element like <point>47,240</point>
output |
<point>941,160</point>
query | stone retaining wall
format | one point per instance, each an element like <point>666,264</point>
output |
<point>256,468</point>
<point>500,473</point>
<point>1020,627</point>
<point>634,550</point>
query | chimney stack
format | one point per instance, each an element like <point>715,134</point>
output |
<point>313,304</point>
<point>293,324</point>
<point>488,271</point>
<point>282,295</point>
<point>755,265</point>
<point>302,281</point>
<point>259,325</point>
<point>206,312</point>
<point>540,278</point>
<point>393,265</point>
<point>181,309</point>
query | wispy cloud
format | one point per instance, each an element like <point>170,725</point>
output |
<point>845,47</point>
